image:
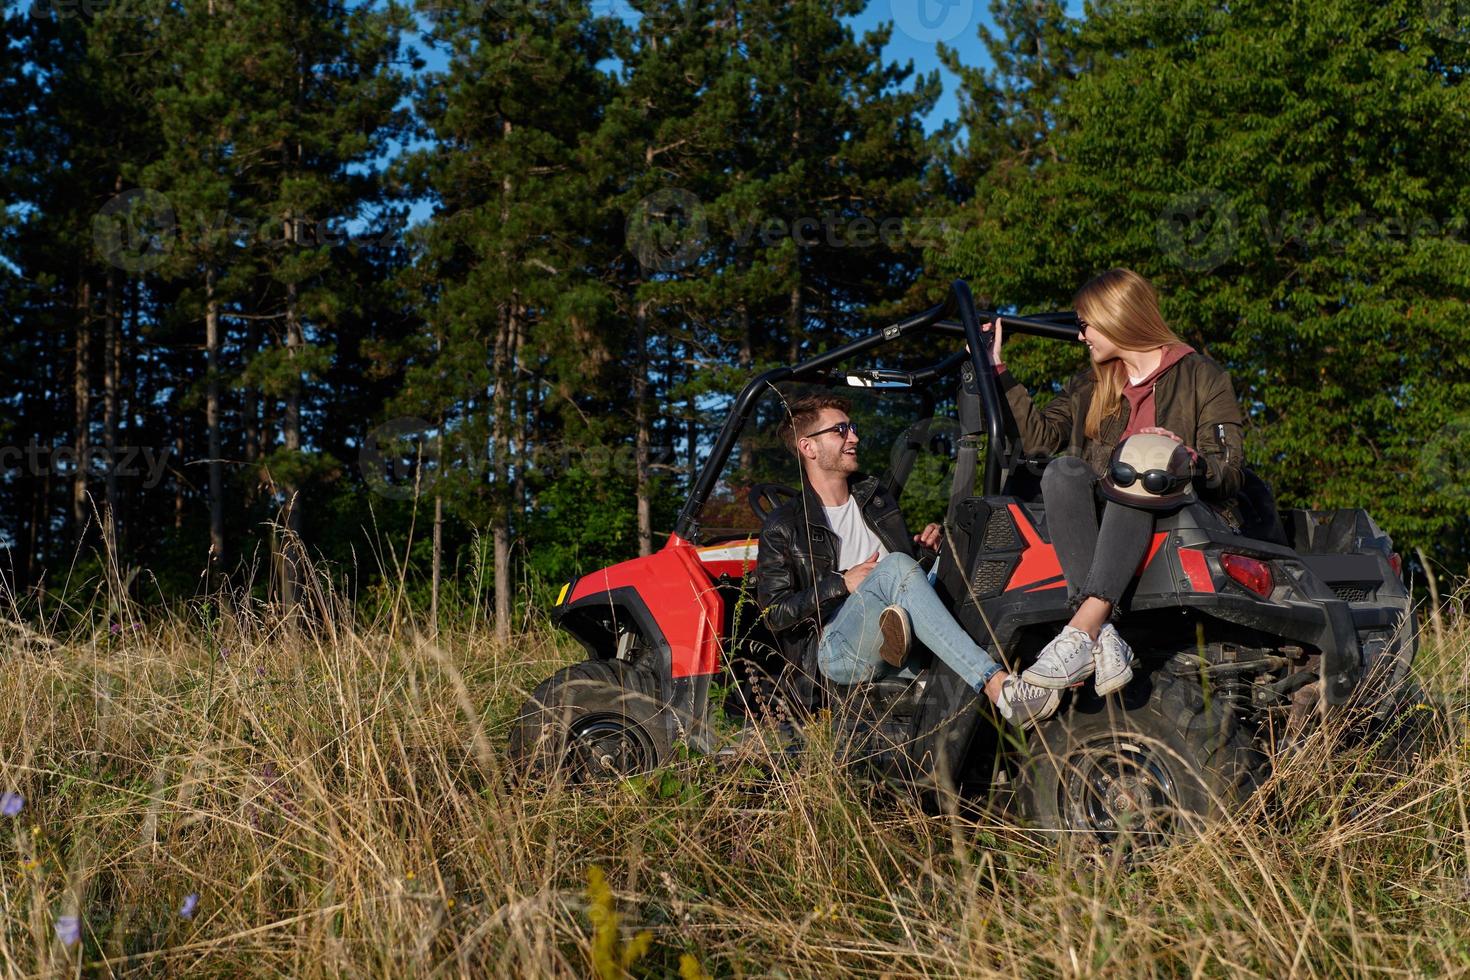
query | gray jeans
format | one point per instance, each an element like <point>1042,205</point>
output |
<point>1069,491</point>
<point>848,650</point>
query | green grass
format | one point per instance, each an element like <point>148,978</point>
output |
<point>338,803</point>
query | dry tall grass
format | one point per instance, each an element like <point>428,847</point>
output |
<point>336,802</point>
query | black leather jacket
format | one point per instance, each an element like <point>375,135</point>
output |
<point>797,584</point>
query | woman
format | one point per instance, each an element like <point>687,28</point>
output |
<point>1144,379</point>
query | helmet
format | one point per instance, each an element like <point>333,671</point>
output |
<point>1150,471</point>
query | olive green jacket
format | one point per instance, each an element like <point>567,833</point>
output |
<point>1194,399</point>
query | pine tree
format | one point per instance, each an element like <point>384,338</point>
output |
<point>271,134</point>
<point>502,263</point>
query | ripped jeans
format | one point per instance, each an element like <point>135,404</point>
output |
<point>848,651</point>
<point>1098,559</point>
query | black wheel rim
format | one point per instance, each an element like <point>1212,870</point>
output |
<point>1115,785</point>
<point>607,747</point>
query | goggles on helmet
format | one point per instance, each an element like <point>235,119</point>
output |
<point>1154,481</point>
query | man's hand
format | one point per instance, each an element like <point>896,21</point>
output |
<point>854,576</point>
<point>929,537</point>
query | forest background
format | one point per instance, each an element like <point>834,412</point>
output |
<point>228,350</point>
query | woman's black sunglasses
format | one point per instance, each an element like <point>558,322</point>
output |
<point>1154,481</point>
<point>841,428</point>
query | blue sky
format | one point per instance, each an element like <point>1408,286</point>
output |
<point>918,25</point>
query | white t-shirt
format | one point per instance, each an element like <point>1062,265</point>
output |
<point>856,541</point>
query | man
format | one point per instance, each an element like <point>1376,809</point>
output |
<point>836,567</point>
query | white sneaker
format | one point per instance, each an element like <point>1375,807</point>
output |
<point>1113,662</point>
<point>1025,704</point>
<point>1065,661</point>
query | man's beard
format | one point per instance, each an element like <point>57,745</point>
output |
<point>838,462</point>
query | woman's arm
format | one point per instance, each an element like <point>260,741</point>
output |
<point>1218,437</point>
<point>1048,430</point>
<point>1045,432</point>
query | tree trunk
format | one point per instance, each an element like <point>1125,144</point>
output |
<point>178,483</point>
<point>250,411</point>
<point>746,359</point>
<point>641,421</point>
<point>438,556</point>
<point>211,423</point>
<point>794,316</point>
<point>500,428</point>
<point>691,423</point>
<point>111,356</point>
<point>499,449</point>
<point>81,410</point>
<point>291,548</point>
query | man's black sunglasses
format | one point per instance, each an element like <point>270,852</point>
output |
<point>841,428</point>
<point>1154,481</point>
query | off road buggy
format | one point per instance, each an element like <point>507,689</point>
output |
<point>1248,634</point>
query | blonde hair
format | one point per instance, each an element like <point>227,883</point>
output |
<point>1122,306</point>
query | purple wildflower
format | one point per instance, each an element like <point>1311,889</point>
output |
<point>68,930</point>
<point>11,804</point>
<point>114,628</point>
<point>191,901</point>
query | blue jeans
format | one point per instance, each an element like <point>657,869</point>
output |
<point>848,651</point>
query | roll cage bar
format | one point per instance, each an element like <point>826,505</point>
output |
<point>955,317</point>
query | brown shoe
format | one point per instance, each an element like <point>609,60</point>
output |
<point>893,623</point>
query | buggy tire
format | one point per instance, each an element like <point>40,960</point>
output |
<point>1159,759</point>
<point>593,721</point>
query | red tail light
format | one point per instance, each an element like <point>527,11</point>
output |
<point>1254,575</point>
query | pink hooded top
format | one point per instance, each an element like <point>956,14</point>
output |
<point>1140,396</point>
